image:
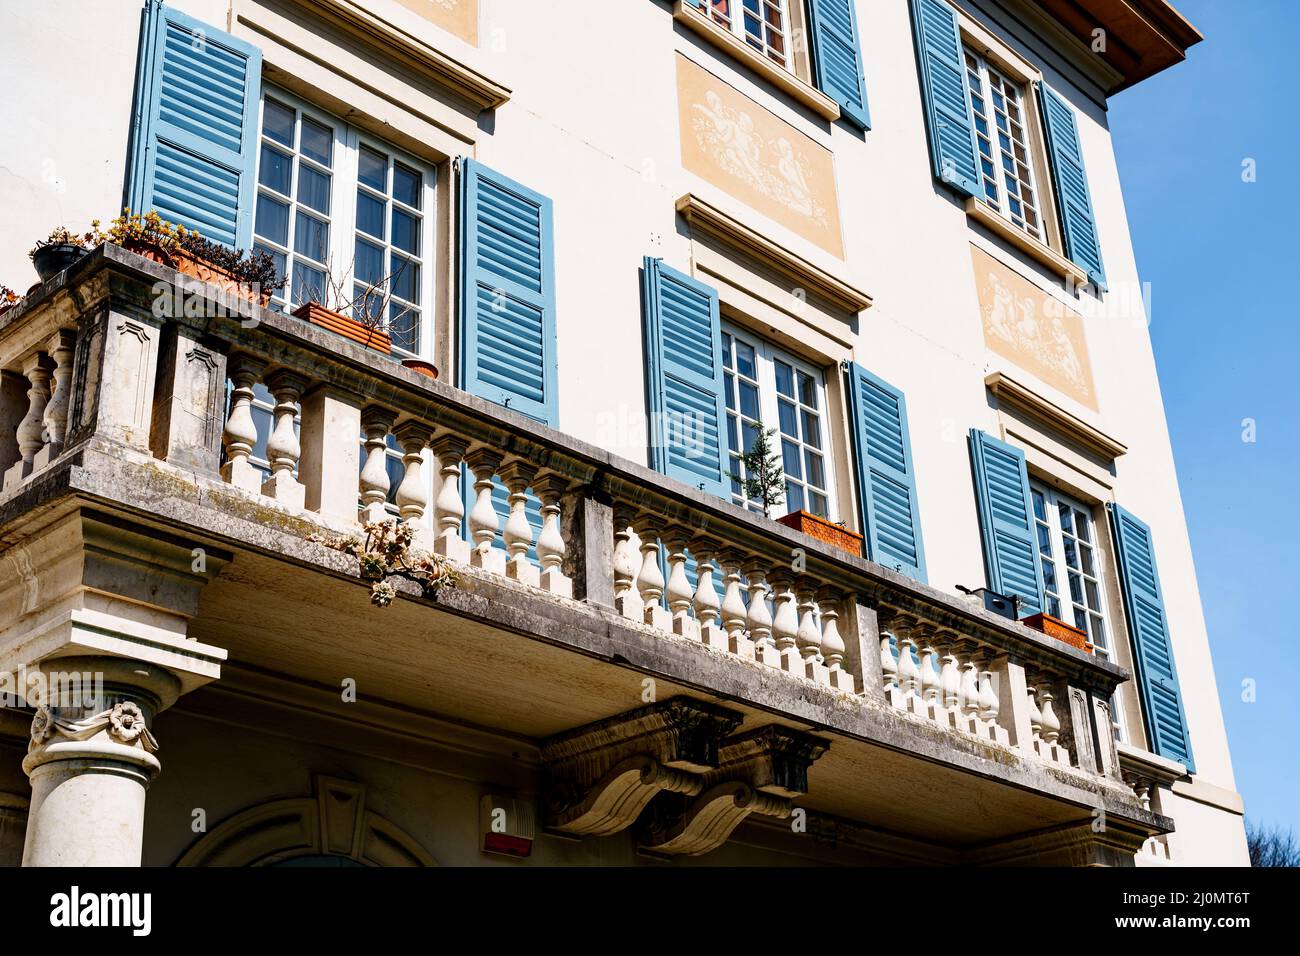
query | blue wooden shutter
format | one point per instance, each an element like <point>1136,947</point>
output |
<point>1007,521</point>
<point>943,93</point>
<point>1074,201</point>
<point>684,396</point>
<point>886,475</point>
<point>1145,608</point>
<point>507,293</point>
<point>837,58</point>
<point>194,132</point>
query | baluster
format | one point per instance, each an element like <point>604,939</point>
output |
<point>1051,731</point>
<point>889,669</point>
<point>240,435</point>
<point>679,594</point>
<point>550,542</point>
<point>375,425</point>
<point>809,637</point>
<point>930,695</point>
<point>518,532</point>
<point>759,618</point>
<point>909,675</point>
<point>626,599</point>
<point>833,648</point>
<point>450,506</point>
<point>733,605</point>
<point>55,420</point>
<point>1035,719</point>
<point>412,495</point>
<point>988,702</point>
<point>950,683</point>
<point>650,580</point>
<point>970,691</point>
<point>36,368</point>
<point>708,608</point>
<point>483,521</point>
<point>282,448</point>
<point>785,622</point>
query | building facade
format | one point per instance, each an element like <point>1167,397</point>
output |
<point>631,237</point>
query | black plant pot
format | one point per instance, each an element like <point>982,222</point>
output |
<point>51,260</point>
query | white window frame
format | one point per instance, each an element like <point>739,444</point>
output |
<point>1002,203</point>
<point>343,205</point>
<point>731,15</point>
<point>1068,608</point>
<point>765,356</point>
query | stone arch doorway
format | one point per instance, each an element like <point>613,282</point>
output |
<point>330,828</point>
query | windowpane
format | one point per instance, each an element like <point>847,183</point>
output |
<point>277,123</point>
<point>815,474</point>
<point>311,237</point>
<point>784,379</point>
<point>406,232</point>
<point>317,142</point>
<point>275,170</point>
<point>790,459</point>
<point>372,169</point>
<point>370,215</point>
<point>308,282</point>
<point>406,280</point>
<point>314,189</point>
<point>406,186</point>
<point>369,266</point>
<point>273,219</point>
<point>789,418</point>
<point>745,360</point>
<point>812,431</point>
<point>748,400</point>
<point>794,497</point>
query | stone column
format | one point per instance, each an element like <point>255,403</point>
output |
<point>91,760</point>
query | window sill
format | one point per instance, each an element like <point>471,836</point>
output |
<point>706,218</point>
<point>790,84</point>
<point>1040,252</point>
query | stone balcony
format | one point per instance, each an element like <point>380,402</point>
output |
<point>906,723</point>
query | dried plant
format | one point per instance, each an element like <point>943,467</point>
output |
<point>369,303</point>
<point>256,269</point>
<point>384,552</point>
<point>8,297</point>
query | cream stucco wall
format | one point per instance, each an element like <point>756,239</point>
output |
<point>592,122</point>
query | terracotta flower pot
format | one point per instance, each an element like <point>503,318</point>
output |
<point>1054,627</point>
<point>189,265</point>
<point>421,366</point>
<point>344,325</point>
<point>824,531</point>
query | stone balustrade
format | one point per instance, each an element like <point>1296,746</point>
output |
<point>92,360</point>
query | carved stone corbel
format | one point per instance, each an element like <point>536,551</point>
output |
<point>601,776</point>
<point>758,772</point>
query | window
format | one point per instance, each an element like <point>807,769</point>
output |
<point>999,111</point>
<point>765,385</point>
<point>1072,585</point>
<point>342,214</point>
<point>295,179</point>
<point>763,24</point>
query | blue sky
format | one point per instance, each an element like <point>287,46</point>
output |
<point>1222,259</point>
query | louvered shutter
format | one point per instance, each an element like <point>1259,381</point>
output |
<point>1073,199</point>
<point>943,93</point>
<point>1007,521</point>
<point>1144,606</point>
<point>194,132</point>
<point>507,293</point>
<point>684,396</point>
<point>837,58</point>
<point>886,474</point>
